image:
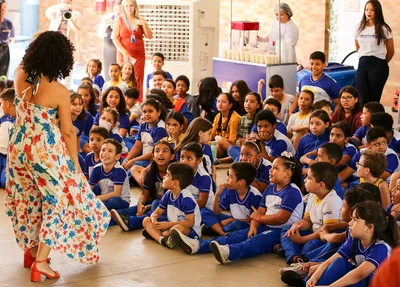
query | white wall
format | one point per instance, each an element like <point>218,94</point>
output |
<point>343,25</point>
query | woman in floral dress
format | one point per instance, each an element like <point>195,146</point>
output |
<point>48,198</point>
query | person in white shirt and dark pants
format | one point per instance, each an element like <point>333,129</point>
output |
<point>374,44</point>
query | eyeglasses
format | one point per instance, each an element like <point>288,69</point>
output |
<point>359,164</point>
<point>383,143</point>
<point>346,98</point>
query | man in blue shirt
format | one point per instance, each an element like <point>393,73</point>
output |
<point>6,36</point>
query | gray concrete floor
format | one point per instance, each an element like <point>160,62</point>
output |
<point>127,259</point>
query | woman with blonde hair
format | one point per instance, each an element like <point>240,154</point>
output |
<point>129,30</point>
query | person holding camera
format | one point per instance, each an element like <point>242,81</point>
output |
<point>68,21</point>
<point>129,30</point>
<point>6,36</point>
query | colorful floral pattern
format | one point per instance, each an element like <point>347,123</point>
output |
<point>47,199</point>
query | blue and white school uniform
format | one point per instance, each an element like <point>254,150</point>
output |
<point>84,138</point>
<point>349,150</point>
<point>123,121</point>
<point>149,136</point>
<point>136,222</point>
<point>79,126</point>
<point>320,212</point>
<point>208,157</point>
<point>240,209</point>
<point>280,126</point>
<point>107,180</point>
<point>95,111</point>
<point>178,208</point>
<point>310,142</point>
<point>262,171</point>
<point>353,249</point>
<point>394,143</point>
<point>6,123</point>
<point>361,134</point>
<point>186,113</point>
<point>325,88</point>
<point>278,144</point>
<point>114,134</point>
<point>99,80</point>
<point>202,183</point>
<point>288,198</point>
<point>90,163</point>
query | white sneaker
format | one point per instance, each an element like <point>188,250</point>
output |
<point>185,243</point>
<point>221,252</point>
<point>295,267</point>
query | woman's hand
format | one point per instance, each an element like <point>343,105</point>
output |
<point>126,56</point>
<point>140,21</point>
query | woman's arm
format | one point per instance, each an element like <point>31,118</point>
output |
<point>76,22</point>
<point>146,29</point>
<point>116,39</point>
<point>66,127</point>
<point>51,12</point>
<point>389,49</point>
<point>357,45</point>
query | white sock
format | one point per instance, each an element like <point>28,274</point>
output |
<point>161,238</point>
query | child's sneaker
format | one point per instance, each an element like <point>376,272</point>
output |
<point>121,219</point>
<point>185,243</point>
<point>166,241</point>
<point>221,252</point>
<point>146,234</point>
<point>278,249</point>
<point>292,278</point>
<point>296,267</point>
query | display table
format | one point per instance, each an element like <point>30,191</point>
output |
<point>228,71</point>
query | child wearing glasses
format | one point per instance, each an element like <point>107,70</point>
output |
<point>376,141</point>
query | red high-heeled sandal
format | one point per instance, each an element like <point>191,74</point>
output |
<point>29,259</point>
<point>35,273</point>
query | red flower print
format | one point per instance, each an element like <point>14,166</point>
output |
<point>42,182</point>
<point>44,115</point>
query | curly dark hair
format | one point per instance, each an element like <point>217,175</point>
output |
<point>51,55</point>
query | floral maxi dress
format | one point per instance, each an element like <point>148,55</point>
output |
<point>47,199</point>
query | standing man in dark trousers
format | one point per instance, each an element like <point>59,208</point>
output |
<point>6,37</point>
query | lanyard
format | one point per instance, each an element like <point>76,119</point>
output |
<point>129,25</point>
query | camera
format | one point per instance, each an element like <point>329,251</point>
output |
<point>67,14</point>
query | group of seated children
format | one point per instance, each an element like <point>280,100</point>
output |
<point>333,229</point>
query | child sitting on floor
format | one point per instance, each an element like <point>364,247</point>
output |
<point>183,213</point>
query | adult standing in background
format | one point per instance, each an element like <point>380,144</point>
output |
<point>6,37</point>
<point>68,21</point>
<point>128,34</point>
<point>374,44</point>
<point>288,29</point>
<point>105,31</point>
